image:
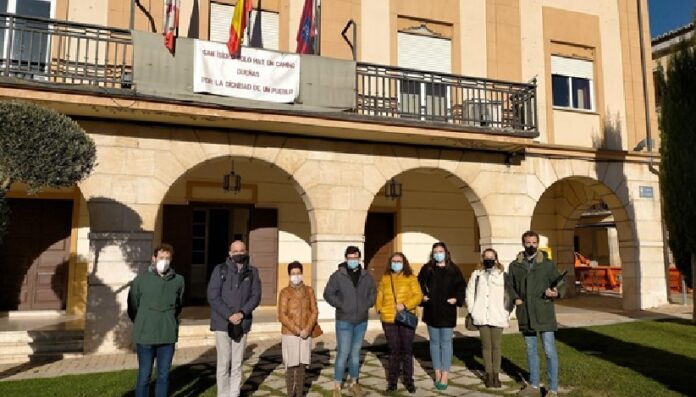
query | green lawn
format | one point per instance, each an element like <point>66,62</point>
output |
<point>649,358</point>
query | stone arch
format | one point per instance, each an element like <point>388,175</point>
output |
<point>559,209</point>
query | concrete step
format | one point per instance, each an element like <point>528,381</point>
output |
<point>22,346</point>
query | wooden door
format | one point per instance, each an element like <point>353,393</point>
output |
<point>379,241</point>
<point>263,249</point>
<point>35,255</point>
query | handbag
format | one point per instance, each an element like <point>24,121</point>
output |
<point>403,317</point>
<point>317,331</point>
<point>469,320</point>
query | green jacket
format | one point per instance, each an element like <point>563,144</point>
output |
<point>154,304</point>
<point>536,314</point>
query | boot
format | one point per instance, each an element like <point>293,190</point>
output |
<point>496,381</point>
<point>488,379</point>
<point>290,380</point>
<point>299,381</point>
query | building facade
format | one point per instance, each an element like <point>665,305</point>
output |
<point>490,117</point>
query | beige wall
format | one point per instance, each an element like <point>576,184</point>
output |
<point>503,39</point>
<point>473,26</point>
<point>374,33</point>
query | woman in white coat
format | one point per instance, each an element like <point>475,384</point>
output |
<point>488,302</point>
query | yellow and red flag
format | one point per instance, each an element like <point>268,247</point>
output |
<point>237,27</point>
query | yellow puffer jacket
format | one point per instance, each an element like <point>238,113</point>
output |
<point>408,293</point>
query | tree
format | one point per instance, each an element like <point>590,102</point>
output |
<point>41,148</point>
<point>678,171</point>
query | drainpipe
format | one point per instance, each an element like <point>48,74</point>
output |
<point>131,24</point>
<point>649,143</point>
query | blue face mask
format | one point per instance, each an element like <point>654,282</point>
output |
<point>439,257</point>
<point>353,264</point>
<point>397,267</point>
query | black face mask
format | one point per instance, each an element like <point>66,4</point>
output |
<point>530,250</point>
<point>489,263</point>
<point>242,259</point>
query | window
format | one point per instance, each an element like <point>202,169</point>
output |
<point>29,48</point>
<point>221,18</point>
<point>428,100</point>
<point>571,82</point>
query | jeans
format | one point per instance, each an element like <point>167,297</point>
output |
<point>349,338</point>
<point>400,341</point>
<point>548,340</point>
<point>230,355</point>
<point>441,347</point>
<point>146,357</point>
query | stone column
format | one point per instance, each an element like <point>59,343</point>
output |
<point>327,252</point>
<point>116,258</point>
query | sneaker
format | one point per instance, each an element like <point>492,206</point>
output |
<point>529,390</point>
<point>391,387</point>
<point>357,390</point>
<point>552,394</point>
<point>411,388</point>
<point>441,386</point>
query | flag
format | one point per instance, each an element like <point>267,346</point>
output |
<point>256,38</point>
<point>171,23</point>
<point>307,29</point>
<point>237,27</point>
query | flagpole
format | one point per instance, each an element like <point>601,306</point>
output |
<point>317,18</point>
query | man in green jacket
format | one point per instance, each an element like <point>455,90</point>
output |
<point>154,303</point>
<point>531,275</point>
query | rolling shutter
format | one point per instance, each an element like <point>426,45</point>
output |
<point>424,53</point>
<point>221,18</point>
<point>572,67</point>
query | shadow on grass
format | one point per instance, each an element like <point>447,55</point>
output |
<point>674,371</point>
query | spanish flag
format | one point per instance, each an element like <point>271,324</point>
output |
<point>239,22</point>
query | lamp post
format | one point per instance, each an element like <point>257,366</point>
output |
<point>393,189</point>
<point>232,182</point>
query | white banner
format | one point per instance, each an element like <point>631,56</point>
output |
<point>258,74</point>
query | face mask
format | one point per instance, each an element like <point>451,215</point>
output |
<point>439,257</point>
<point>296,279</point>
<point>162,266</point>
<point>353,264</point>
<point>397,267</point>
<point>242,259</point>
<point>489,263</point>
<point>530,250</point>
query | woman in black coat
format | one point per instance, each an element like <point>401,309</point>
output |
<point>444,290</point>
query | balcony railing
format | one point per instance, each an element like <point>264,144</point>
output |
<point>385,91</point>
<point>49,50</point>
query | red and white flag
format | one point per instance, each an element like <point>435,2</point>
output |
<point>171,23</point>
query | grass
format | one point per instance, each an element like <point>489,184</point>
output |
<point>647,358</point>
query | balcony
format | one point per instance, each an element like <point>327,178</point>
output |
<point>74,56</point>
<point>59,52</point>
<point>391,92</point>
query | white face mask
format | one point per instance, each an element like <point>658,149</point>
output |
<point>296,279</point>
<point>162,266</point>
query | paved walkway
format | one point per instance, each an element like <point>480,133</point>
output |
<point>265,374</point>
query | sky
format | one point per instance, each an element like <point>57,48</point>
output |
<point>666,15</point>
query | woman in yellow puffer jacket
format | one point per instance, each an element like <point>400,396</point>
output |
<point>398,290</point>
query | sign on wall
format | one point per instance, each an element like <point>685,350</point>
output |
<point>257,74</point>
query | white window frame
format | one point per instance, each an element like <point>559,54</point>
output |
<point>12,9</point>
<point>422,96</point>
<point>569,75</point>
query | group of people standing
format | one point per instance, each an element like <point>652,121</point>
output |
<point>234,291</point>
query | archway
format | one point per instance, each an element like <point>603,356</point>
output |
<point>435,205</point>
<point>589,233</point>
<point>270,212</point>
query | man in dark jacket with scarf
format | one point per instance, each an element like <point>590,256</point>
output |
<point>351,290</point>
<point>154,303</point>
<point>531,275</point>
<point>234,291</point>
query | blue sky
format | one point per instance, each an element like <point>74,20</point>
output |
<point>666,15</point>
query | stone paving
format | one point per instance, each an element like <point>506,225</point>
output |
<point>264,372</point>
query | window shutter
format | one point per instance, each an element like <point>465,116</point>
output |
<point>572,67</point>
<point>424,53</point>
<point>221,18</point>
